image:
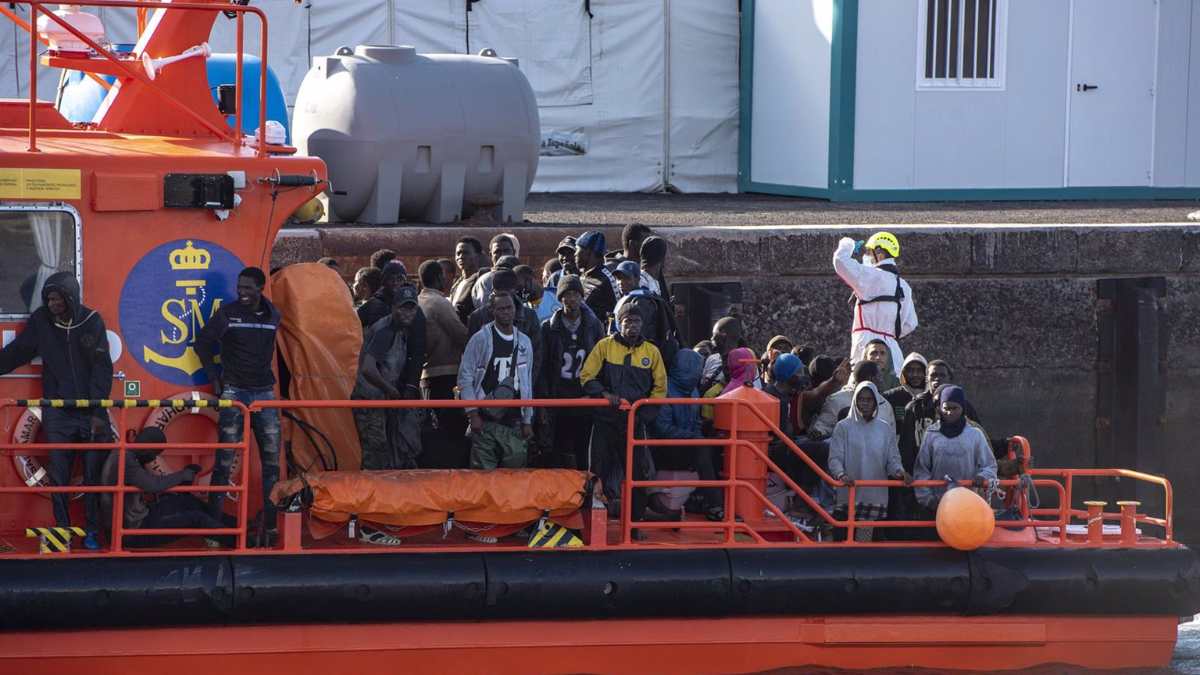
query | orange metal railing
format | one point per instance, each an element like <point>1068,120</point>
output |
<point>122,444</point>
<point>1061,517</point>
<point>1060,481</point>
<point>132,70</point>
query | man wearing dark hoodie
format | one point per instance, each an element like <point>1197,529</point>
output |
<point>568,336</point>
<point>73,344</point>
<point>913,382</point>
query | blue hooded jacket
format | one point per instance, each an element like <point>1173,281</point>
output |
<point>681,421</point>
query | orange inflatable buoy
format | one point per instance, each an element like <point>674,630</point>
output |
<point>964,519</point>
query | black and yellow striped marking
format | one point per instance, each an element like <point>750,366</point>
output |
<point>126,403</point>
<point>553,535</point>
<point>54,539</point>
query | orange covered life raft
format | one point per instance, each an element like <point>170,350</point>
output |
<point>503,496</point>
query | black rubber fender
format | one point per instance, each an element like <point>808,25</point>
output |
<point>603,584</point>
<point>118,593</point>
<point>1164,581</point>
<point>358,588</point>
<point>823,581</point>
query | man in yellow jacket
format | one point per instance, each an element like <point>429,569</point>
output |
<point>623,366</point>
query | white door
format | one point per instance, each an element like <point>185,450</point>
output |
<point>1111,93</point>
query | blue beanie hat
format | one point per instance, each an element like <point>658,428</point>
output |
<point>954,394</point>
<point>786,366</point>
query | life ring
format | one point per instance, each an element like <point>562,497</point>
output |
<point>163,417</point>
<point>29,467</point>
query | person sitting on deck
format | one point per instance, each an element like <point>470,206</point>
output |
<point>623,366</point>
<point>173,510</point>
<point>863,448</point>
<point>951,448</point>
<point>497,365</point>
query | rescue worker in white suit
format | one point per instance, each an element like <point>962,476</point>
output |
<point>882,301</point>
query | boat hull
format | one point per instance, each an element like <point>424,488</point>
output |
<point>618,647</point>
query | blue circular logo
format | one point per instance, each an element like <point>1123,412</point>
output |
<point>645,361</point>
<point>169,296</point>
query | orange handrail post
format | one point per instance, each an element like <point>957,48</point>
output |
<point>33,55</point>
<point>118,515</point>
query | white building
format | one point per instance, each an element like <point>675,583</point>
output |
<point>971,99</point>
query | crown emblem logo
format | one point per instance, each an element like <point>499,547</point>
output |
<point>189,258</point>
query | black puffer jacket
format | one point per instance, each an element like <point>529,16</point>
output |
<point>75,359</point>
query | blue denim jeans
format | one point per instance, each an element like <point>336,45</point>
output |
<point>265,425</point>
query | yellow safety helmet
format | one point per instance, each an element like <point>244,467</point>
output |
<point>886,241</point>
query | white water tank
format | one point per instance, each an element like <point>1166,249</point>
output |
<point>409,136</point>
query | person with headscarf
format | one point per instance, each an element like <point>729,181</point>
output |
<point>864,448</point>
<point>743,370</point>
<point>952,448</point>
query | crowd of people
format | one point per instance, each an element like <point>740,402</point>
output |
<point>590,323</point>
<point>600,324</point>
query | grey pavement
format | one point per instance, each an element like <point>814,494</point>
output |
<point>691,210</point>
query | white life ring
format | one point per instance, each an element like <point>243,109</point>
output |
<point>29,467</point>
<point>163,417</point>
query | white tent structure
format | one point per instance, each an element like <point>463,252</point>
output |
<point>634,95</point>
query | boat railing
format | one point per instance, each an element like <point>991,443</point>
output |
<point>123,442</point>
<point>777,531</point>
<point>107,63</point>
<point>1059,481</point>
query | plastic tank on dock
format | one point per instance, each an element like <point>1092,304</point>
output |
<point>410,136</point>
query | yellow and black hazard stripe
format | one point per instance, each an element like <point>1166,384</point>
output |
<point>553,535</point>
<point>54,539</point>
<point>126,403</point>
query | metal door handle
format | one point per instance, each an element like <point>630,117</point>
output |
<point>1086,87</point>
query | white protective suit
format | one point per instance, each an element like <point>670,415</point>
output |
<point>876,319</point>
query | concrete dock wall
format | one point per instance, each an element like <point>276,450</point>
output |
<point>1012,308</point>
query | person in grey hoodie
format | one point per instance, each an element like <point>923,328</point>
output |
<point>952,448</point>
<point>863,447</point>
<point>76,364</point>
<point>498,364</point>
